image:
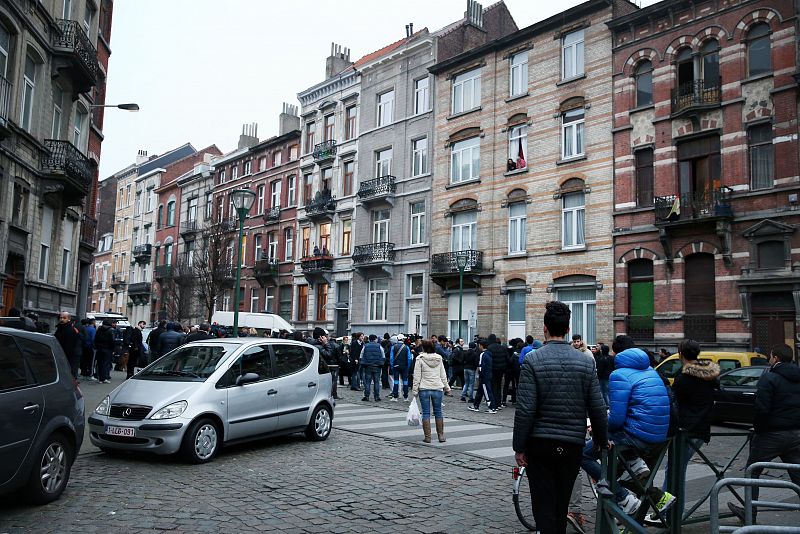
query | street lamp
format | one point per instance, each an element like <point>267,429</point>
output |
<point>126,107</point>
<point>461,264</point>
<point>242,200</point>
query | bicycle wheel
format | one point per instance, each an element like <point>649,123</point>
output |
<point>522,498</point>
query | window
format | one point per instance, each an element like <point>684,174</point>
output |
<point>378,299</point>
<point>519,74</point>
<point>291,186</point>
<point>322,301</point>
<point>380,226</point>
<point>209,205</point>
<point>383,163</point>
<point>573,215</point>
<point>466,91</point>
<point>516,228</point>
<point>79,130</point>
<point>277,159</point>
<point>517,295</point>
<point>171,213</point>
<point>66,13</point>
<point>302,303</point>
<point>419,156</point>
<point>641,298</point>
<point>260,194</point>
<point>347,229</point>
<point>292,152</point>
<point>254,300</point>
<point>572,133</point>
<point>28,92</point>
<point>168,254</point>
<point>518,147</point>
<point>581,303</point>
<point>644,83</point>
<point>13,371</point>
<point>285,302</point>
<point>288,238</point>
<point>308,181</point>
<point>325,238</point>
<point>762,158</point>
<point>262,163</point>
<point>417,223</point>
<point>40,359</point>
<point>256,248</point>
<point>699,296</point>
<point>5,48</point>
<point>309,136</point>
<point>415,285</point>
<point>327,178</point>
<point>385,108</point>
<point>350,123</point>
<point>421,91</point>
<point>306,243</point>
<point>66,254</point>
<point>644,177</point>
<point>248,167</point>
<point>572,55</point>
<point>272,246</point>
<point>771,255</point>
<point>151,200</point>
<point>465,160</point>
<point>189,258</point>
<point>58,102</point>
<point>137,204</point>
<point>46,240</point>
<point>234,172</point>
<point>463,231</point>
<point>700,169</point>
<point>20,214</point>
<point>128,195</point>
<point>222,176</point>
<point>290,359</point>
<point>759,54</point>
<point>328,132</point>
<point>275,194</point>
<point>347,178</point>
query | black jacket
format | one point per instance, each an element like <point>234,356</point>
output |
<point>104,339</point>
<point>694,393</point>
<point>778,399</point>
<point>605,365</point>
<point>170,340</point>
<point>499,357</point>
<point>471,359</point>
<point>154,343</point>
<point>355,351</point>
<point>69,339</point>
<point>200,335</point>
<point>325,352</point>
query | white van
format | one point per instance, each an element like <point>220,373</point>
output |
<point>122,321</point>
<point>259,321</point>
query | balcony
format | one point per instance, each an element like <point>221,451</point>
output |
<point>695,95</point>
<point>694,206</point>
<point>139,293</point>
<point>317,268</point>
<point>272,215</point>
<point>189,228</point>
<point>68,172</point>
<point>322,206</point>
<point>444,269</point>
<point>266,270</point>
<point>374,256</point>
<point>142,253</point>
<point>88,231</point>
<point>324,151</point>
<point>75,53</point>
<point>640,327</point>
<point>377,190</point>
<point>700,327</point>
<point>118,280</point>
<point>6,94</point>
<point>100,285</point>
<point>163,272</point>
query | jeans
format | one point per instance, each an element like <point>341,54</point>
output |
<point>372,375</point>
<point>355,378</point>
<point>766,446</point>
<point>469,384</point>
<point>604,390</point>
<point>553,467</point>
<point>590,457</point>
<point>334,380</point>
<point>398,373</point>
<point>687,456</point>
<point>428,396</point>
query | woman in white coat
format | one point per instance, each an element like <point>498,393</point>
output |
<point>430,382</point>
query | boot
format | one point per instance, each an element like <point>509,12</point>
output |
<point>440,429</point>
<point>426,429</point>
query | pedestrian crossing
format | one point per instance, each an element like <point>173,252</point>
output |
<point>478,439</point>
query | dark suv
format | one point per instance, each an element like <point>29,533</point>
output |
<point>41,416</point>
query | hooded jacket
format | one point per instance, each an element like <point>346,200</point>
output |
<point>499,355</point>
<point>69,339</point>
<point>429,373</point>
<point>104,339</point>
<point>694,392</point>
<point>171,340</point>
<point>639,402</point>
<point>777,404</point>
<point>325,352</point>
<point>372,355</point>
<point>471,359</point>
<point>401,356</point>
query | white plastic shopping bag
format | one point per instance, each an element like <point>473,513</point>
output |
<point>412,417</point>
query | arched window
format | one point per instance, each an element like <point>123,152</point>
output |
<point>160,218</point>
<point>710,63</point>
<point>640,299</point>
<point>759,54</point>
<point>171,213</point>
<point>5,49</point>
<point>685,68</point>
<point>644,83</point>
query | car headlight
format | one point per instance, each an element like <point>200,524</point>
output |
<point>104,408</point>
<point>171,411</point>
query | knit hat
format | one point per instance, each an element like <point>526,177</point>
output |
<point>319,332</point>
<point>393,340</point>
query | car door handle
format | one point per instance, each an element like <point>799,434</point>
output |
<point>31,407</point>
<point>748,393</point>
<point>312,384</point>
<point>272,392</point>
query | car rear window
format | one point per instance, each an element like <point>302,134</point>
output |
<point>41,360</point>
<point>727,365</point>
<point>291,358</point>
<point>13,374</point>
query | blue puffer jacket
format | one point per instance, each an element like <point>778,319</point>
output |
<point>372,355</point>
<point>639,402</point>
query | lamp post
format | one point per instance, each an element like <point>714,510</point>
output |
<point>242,200</point>
<point>126,107</point>
<point>461,263</point>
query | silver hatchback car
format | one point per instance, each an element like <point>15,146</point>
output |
<point>209,393</point>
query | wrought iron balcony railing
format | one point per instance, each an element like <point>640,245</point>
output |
<point>118,280</point>
<point>5,99</point>
<point>142,253</point>
<point>445,263</point>
<point>316,264</point>
<point>63,158</point>
<point>273,214</point>
<point>324,150</point>
<point>693,205</point>
<point>265,265</point>
<point>640,327</point>
<point>700,327</point>
<point>695,94</point>
<point>139,288</point>
<point>162,271</point>
<point>189,227</point>
<point>322,204</point>
<point>68,35</point>
<point>89,231</point>
<point>377,187</point>
<point>373,253</point>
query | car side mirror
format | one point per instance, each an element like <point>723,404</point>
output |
<point>247,378</point>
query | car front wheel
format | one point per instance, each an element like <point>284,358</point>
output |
<point>201,442</point>
<point>319,428</point>
<point>51,469</point>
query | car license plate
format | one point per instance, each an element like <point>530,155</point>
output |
<point>125,431</point>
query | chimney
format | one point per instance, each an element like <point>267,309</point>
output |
<point>249,135</point>
<point>288,120</point>
<point>474,14</point>
<point>337,61</point>
<point>141,157</point>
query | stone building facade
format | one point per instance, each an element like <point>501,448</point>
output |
<point>99,295</point>
<point>706,181</point>
<point>523,173</point>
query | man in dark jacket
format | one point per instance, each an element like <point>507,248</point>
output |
<point>605,366</point>
<point>470,359</point>
<point>777,418</point>
<point>484,371</point>
<point>326,352</point>
<point>372,360</point>
<point>499,363</point>
<point>104,348</point>
<point>153,340</point>
<point>171,339</point>
<point>386,345</point>
<point>202,333</point>
<point>136,356</point>
<point>558,389</point>
<point>355,356</point>
<point>400,362</point>
<point>457,363</point>
<point>70,341</point>
<point>87,358</point>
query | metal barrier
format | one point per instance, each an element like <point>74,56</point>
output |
<point>748,490</point>
<point>747,483</point>
<point>766,529</point>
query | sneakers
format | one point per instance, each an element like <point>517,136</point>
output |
<point>463,399</point>
<point>666,501</point>
<point>365,399</point>
<point>491,410</point>
<point>393,399</point>
<point>639,468</point>
<point>630,504</point>
<point>577,521</point>
<point>472,408</point>
<point>378,399</point>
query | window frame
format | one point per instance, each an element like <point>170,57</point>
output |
<point>421,95</point>
<point>576,51</point>
<point>417,219</point>
<point>469,80</point>
<point>460,148</point>
<point>643,73</point>
<point>750,40</point>
<point>575,129</point>
<point>28,93</point>
<point>574,214</point>
<point>383,164</point>
<point>384,109</point>
<point>377,301</point>
<point>517,231</point>
<point>351,122</point>
<point>756,147</point>
<point>518,74</point>
<point>288,245</point>
<point>641,172</point>
<point>419,157</point>
<point>514,137</point>
<point>458,226</point>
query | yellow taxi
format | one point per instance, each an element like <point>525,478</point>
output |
<point>671,366</point>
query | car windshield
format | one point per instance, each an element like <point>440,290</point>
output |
<point>191,363</point>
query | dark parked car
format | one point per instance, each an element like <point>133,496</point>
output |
<point>41,416</point>
<point>734,400</point>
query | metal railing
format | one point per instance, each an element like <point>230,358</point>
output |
<point>324,150</point>
<point>696,93</point>
<point>273,214</point>
<point>313,264</point>
<point>700,327</point>
<point>445,263</point>
<point>69,34</point>
<point>694,205</point>
<point>162,271</point>
<point>62,157</point>
<point>139,288</point>
<point>377,187</point>
<point>265,265</point>
<point>640,326</point>
<point>373,253</point>
<point>89,230</point>
<point>322,203</point>
<point>143,252</point>
<point>5,98</point>
<point>190,226</point>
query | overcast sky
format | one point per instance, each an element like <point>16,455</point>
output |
<point>200,69</point>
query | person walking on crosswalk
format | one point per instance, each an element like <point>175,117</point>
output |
<point>430,382</point>
<point>484,380</point>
